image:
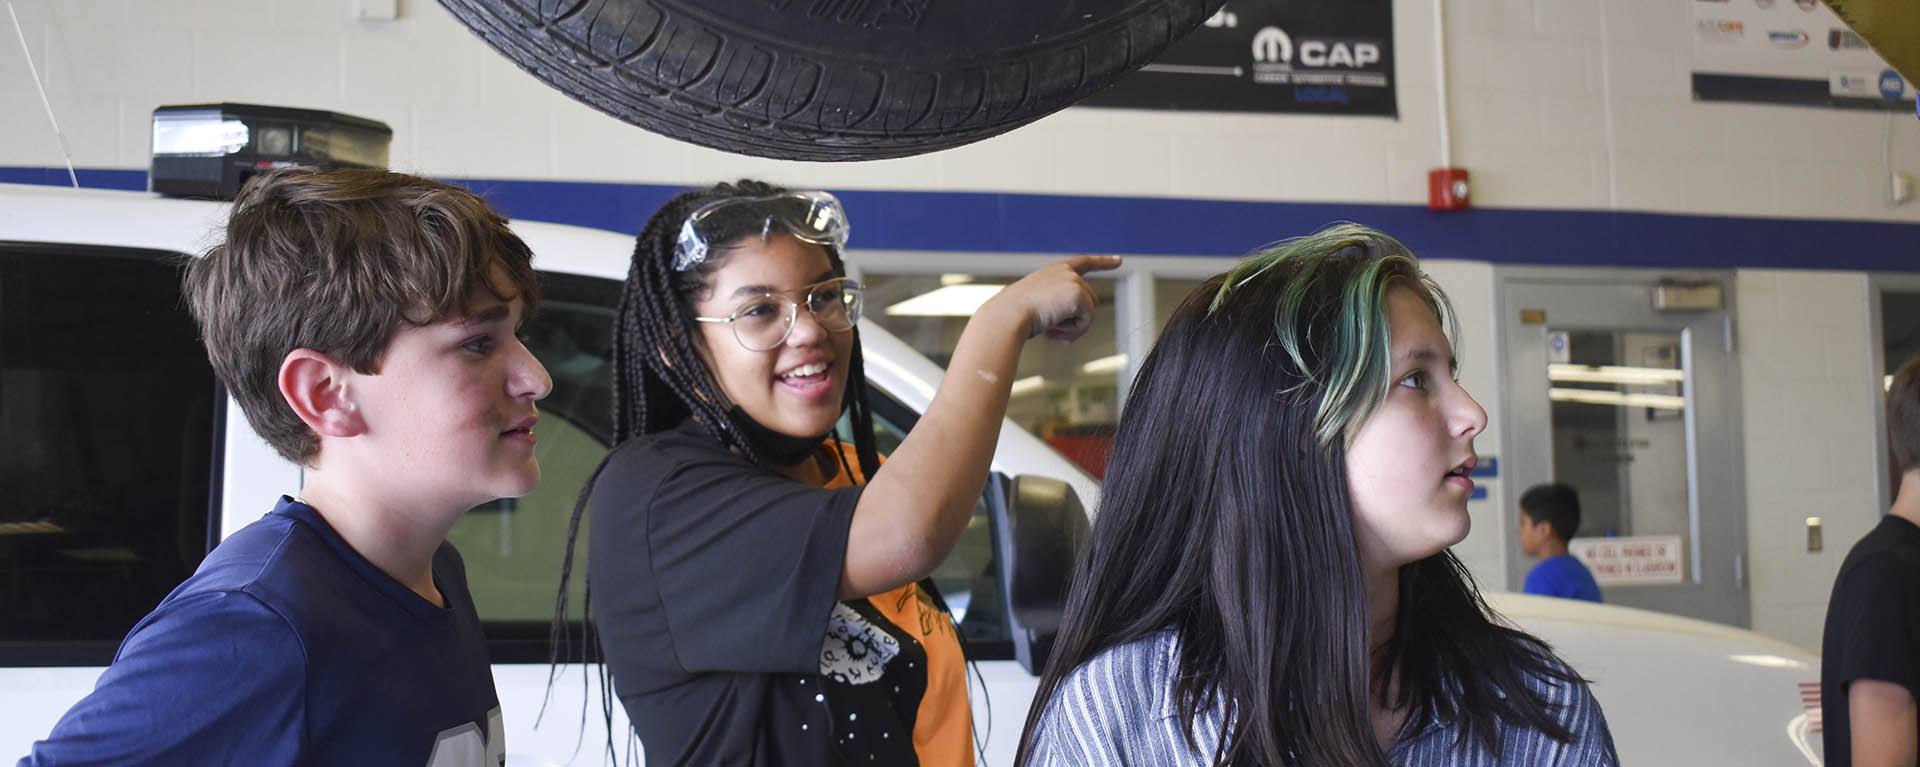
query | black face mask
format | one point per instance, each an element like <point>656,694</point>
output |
<point>773,447</point>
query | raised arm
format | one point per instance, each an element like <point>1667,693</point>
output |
<point>915,507</point>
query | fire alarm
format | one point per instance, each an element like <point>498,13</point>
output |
<point>1447,189</point>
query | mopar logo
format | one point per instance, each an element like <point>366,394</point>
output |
<point>1273,45</point>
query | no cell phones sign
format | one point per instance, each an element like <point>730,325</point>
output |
<point>1646,559</point>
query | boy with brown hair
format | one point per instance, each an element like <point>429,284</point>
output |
<point>365,322</point>
<point>1870,649</point>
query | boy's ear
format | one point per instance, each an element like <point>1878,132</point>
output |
<point>315,386</point>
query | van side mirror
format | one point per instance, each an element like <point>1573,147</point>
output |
<point>1038,534</point>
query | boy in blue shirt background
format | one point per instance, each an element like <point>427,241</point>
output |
<point>1549,517</point>
<point>365,322</point>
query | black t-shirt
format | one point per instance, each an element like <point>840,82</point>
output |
<point>714,584</point>
<point>1873,626</point>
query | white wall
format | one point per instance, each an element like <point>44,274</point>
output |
<point>1556,104</point>
<point>1806,380</point>
<point>1582,104</point>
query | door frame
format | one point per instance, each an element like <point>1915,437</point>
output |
<point>1886,483</point>
<point>1504,277</point>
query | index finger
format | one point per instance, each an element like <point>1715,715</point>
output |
<point>1084,263</point>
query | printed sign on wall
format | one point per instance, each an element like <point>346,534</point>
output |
<point>1788,52</point>
<point>1643,559</point>
<point>1311,56</point>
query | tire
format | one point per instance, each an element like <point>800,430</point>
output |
<point>830,79</point>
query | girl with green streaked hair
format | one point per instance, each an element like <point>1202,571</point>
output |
<point>1268,580</point>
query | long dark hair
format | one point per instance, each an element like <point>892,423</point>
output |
<point>660,380</point>
<point>1226,518</point>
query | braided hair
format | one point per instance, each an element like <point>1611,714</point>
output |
<point>660,380</point>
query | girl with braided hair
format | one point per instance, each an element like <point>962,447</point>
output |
<point>1268,582</point>
<point>759,590</point>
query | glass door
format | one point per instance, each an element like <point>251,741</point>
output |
<point>1623,386</point>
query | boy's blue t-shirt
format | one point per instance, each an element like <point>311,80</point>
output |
<point>1562,575</point>
<point>288,647</point>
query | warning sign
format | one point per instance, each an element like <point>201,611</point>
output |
<point>1638,560</point>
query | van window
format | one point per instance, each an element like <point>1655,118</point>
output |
<point>109,410</point>
<point>1067,396</point>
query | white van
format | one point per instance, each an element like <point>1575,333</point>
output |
<point>124,462</point>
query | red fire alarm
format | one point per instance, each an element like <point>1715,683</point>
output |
<point>1447,189</point>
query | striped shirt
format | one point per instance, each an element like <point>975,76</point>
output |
<point>1119,709</point>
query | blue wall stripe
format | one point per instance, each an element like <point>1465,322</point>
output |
<point>93,178</point>
<point>1036,223</point>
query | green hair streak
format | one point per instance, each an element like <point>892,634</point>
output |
<point>1352,267</point>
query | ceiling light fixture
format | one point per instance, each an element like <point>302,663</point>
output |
<point>1618,399</point>
<point>946,301</point>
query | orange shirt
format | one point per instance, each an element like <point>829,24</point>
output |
<point>943,728</point>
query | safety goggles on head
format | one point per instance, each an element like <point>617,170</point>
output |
<point>814,217</point>
<point>764,321</point>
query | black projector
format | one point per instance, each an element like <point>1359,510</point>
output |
<point>210,150</point>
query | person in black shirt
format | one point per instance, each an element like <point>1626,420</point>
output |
<point>1870,649</point>
<point>758,601</point>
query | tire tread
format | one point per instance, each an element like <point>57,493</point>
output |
<point>689,77</point>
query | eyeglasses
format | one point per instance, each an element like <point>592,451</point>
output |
<point>765,321</point>
<point>814,217</point>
